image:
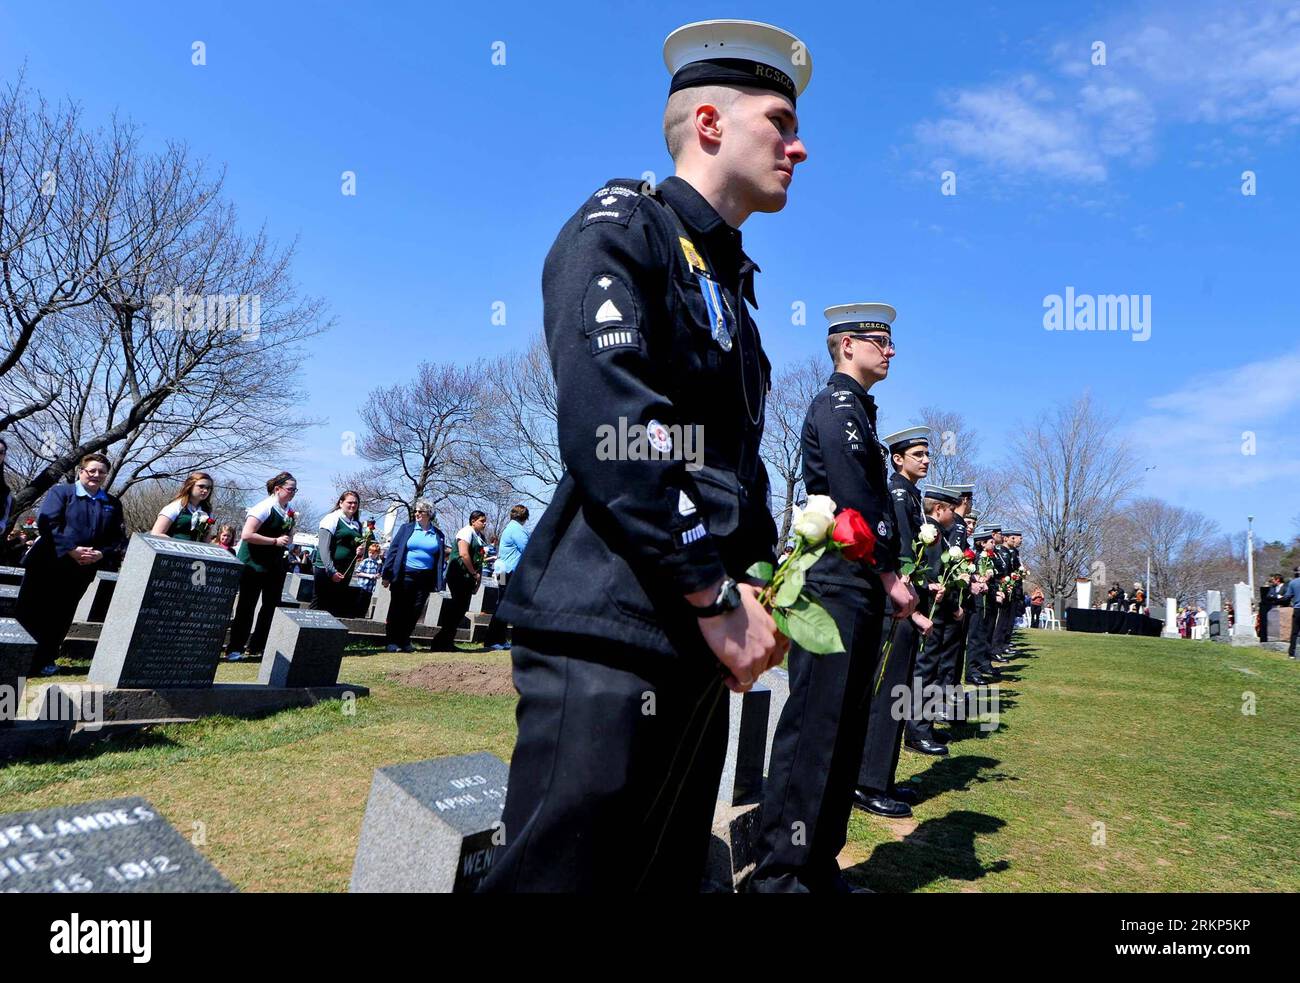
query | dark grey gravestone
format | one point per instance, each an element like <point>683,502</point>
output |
<point>433,826</point>
<point>13,576</point>
<point>742,771</point>
<point>118,846</point>
<point>168,618</point>
<point>433,610</point>
<point>485,598</point>
<point>300,586</point>
<point>303,648</point>
<point>17,648</point>
<point>8,600</point>
<point>93,605</point>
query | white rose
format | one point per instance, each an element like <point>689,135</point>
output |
<point>970,567</point>
<point>955,554</point>
<point>812,526</point>
<point>928,533</point>
<point>822,504</point>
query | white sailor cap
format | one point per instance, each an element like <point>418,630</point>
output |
<point>964,489</point>
<point>901,441</point>
<point>740,53</point>
<point>940,493</point>
<point>860,317</point>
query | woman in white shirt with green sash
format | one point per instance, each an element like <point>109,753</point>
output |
<point>268,531</point>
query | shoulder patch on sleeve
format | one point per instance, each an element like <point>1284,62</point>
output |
<point>842,399</point>
<point>852,434</point>
<point>900,494</point>
<point>612,203</point>
<point>610,315</point>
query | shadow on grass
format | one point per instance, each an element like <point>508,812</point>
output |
<point>938,849</point>
<point>958,774</point>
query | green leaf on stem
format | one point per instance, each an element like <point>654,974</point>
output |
<point>790,589</point>
<point>760,571</point>
<point>806,560</point>
<point>782,625</point>
<point>811,628</point>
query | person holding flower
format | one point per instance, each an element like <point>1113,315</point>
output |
<point>979,639</point>
<point>876,792</point>
<point>818,743</point>
<point>187,516</point>
<point>945,559</point>
<point>339,548</point>
<point>268,532</point>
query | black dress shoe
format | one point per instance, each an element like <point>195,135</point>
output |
<point>977,679</point>
<point>925,747</point>
<point>943,737</point>
<point>880,804</point>
<point>905,795</point>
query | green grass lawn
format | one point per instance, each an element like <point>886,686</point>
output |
<point>1145,736</point>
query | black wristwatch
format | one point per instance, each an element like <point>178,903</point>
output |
<point>728,599</point>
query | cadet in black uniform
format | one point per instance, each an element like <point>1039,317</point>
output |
<point>952,645</point>
<point>1001,638</point>
<point>876,792</point>
<point>628,617</point>
<point>979,640</point>
<point>948,615</point>
<point>816,750</point>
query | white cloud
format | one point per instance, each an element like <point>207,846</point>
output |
<point>1181,63</point>
<point>1196,434</point>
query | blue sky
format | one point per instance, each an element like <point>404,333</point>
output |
<point>1122,178</point>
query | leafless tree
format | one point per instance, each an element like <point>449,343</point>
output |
<point>138,320</point>
<point>1181,544</point>
<point>793,389</point>
<point>519,446</point>
<point>422,440</point>
<point>955,459</point>
<point>1068,473</point>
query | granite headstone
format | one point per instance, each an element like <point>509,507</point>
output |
<point>17,649</point>
<point>1171,619</point>
<point>1243,625</point>
<point>432,826</point>
<point>303,648</point>
<point>168,618</point>
<point>117,846</point>
<point>8,600</point>
<point>93,605</point>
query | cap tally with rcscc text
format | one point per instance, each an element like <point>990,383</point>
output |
<point>860,317</point>
<point>940,494</point>
<point>742,53</point>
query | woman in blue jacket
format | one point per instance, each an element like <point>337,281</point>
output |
<point>412,571</point>
<point>82,531</point>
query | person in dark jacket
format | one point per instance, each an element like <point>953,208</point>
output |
<point>413,569</point>
<point>82,531</point>
<point>632,608</point>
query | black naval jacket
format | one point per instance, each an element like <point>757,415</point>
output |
<point>843,458</point>
<point>909,515</point>
<point>635,343</point>
<point>946,609</point>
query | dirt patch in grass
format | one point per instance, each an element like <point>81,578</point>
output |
<point>472,678</point>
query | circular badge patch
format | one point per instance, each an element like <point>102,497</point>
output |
<point>660,439</point>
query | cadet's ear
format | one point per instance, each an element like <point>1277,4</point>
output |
<point>708,123</point>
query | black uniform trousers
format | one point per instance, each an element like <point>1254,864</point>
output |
<point>979,638</point>
<point>884,737</point>
<point>47,602</point>
<point>269,586</point>
<point>1002,628</point>
<point>927,674</point>
<point>952,651</point>
<point>409,595</point>
<point>817,748</point>
<point>616,767</point>
<point>462,587</point>
<point>1295,630</point>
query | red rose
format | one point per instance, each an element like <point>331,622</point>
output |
<point>970,554</point>
<point>854,535</point>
